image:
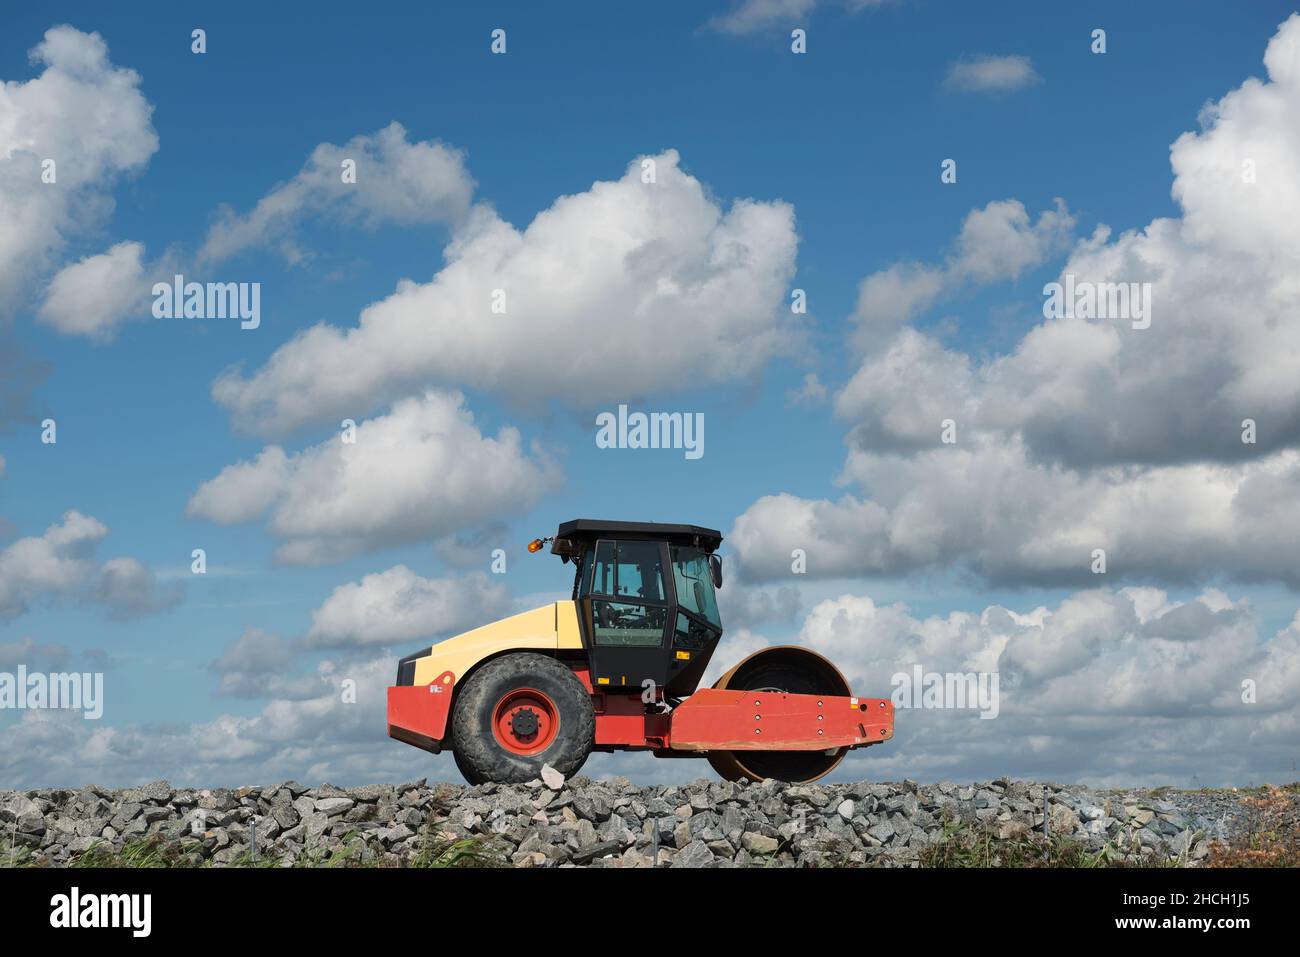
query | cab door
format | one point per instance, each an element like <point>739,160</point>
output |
<point>626,613</point>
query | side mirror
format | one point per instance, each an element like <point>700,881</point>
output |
<point>715,568</point>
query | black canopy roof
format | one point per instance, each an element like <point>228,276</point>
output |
<point>573,536</point>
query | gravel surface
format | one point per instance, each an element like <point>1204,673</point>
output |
<point>609,823</point>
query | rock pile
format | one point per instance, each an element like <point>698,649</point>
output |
<point>610,823</point>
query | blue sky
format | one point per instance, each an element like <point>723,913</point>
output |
<point>850,135</point>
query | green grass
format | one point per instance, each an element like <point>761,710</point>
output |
<point>151,851</point>
<point>960,844</point>
<point>465,852</point>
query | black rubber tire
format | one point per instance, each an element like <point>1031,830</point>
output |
<point>481,757</point>
<point>465,770</point>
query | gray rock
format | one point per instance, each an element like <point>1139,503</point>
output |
<point>694,854</point>
<point>334,806</point>
<point>594,851</point>
<point>284,815</point>
<point>882,832</point>
<point>614,823</point>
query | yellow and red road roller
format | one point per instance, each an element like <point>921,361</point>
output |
<point>617,666</point>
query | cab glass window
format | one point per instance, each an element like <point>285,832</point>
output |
<point>626,625</point>
<point>694,583</point>
<point>627,570</point>
<point>693,635</point>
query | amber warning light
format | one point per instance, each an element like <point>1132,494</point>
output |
<point>537,544</point>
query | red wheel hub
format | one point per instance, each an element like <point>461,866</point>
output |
<point>525,721</point>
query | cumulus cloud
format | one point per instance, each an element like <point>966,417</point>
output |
<point>51,565</point>
<point>1104,687</point>
<point>128,589</point>
<point>396,181</point>
<point>1224,338</point>
<point>36,656</point>
<point>422,471</point>
<point>91,119</point>
<point>1114,686</point>
<point>259,665</point>
<point>398,606</point>
<point>988,508</point>
<point>744,606</point>
<point>899,396</point>
<point>313,734</point>
<point>656,270</point>
<point>991,74</point>
<point>59,565</point>
<point>1092,433</point>
<point>996,243</point>
<point>91,297</point>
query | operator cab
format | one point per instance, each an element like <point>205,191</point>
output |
<point>647,602</point>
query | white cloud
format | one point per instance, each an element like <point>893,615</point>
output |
<point>997,242</point>
<point>1091,433</point>
<point>396,181</point>
<point>744,606</point>
<point>1117,690</point>
<point>312,733</point>
<point>655,271</point>
<point>93,296</point>
<point>811,392</point>
<point>898,398</point>
<point>91,119</point>
<point>423,471</point>
<point>398,606</point>
<point>1224,336</point>
<point>60,566</point>
<point>128,589</point>
<point>36,656</point>
<point>752,16</point>
<point>258,665</point>
<point>986,507</point>
<point>1093,654</point>
<point>991,74</point>
<point>245,491</point>
<point>52,565</point>
<point>1104,687</point>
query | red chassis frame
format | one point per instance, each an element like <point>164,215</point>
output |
<point>711,719</point>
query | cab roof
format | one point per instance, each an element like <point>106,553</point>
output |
<point>573,536</point>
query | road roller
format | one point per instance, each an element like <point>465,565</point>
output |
<point>617,667</point>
